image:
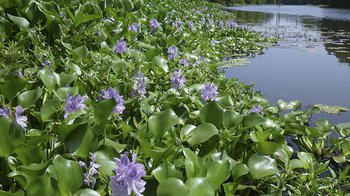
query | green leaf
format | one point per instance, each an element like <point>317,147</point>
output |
<point>22,178</point>
<point>66,79</point>
<point>261,166</point>
<point>49,108</point>
<point>20,21</point>
<point>114,144</point>
<point>12,136</point>
<point>331,109</point>
<point>103,111</point>
<point>252,119</point>
<point>61,93</point>
<point>172,187</point>
<point>28,98</point>
<point>239,170</point>
<point>200,187</point>
<point>292,105</point>
<point>201,133</point>
<point>86,192</point>
<point>159,63</point>
<point>50,79</point>
<point>166,170</point>
<point>323,125</point>
<point>225,101</point>
<point>307,159</point>
<point>232,119</point>
<point>43,185</point>
<point>119,67</point>
<point>218,172</point>
<point>212,113</point>
<point>11,87</point>
<point>69,175</point>
<point>194,165</point>
<point>340,158</point>
<point>80,52</point>
<point>160,122</point>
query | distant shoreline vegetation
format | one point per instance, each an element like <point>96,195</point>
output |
<point>321,3</point>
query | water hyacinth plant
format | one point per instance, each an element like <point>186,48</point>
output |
<point>123,56</point>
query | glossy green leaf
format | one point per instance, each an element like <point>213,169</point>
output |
<point>11,87</point>
<point>80,52</point>
<point>172,187</point>
<point>232,119</point>
<point>86,192</point>
<point>28,98</point>
<point>194,165</point>
<point>212,113</point>
<point>103,111</point>
<point>50,79</point>
<point>119,66</point>
<point>160,122</point>
<point>218,172</point>
<point>202,133</point>
<point>21,22</point>
<point>160,63</point>
<point>252,119</point>
<point>43,185</point>
<point>12,136</point>
<point>69,174</point>
<point>324,125</point>
<point>261,166</point>
<point>49,108</point>
<point>200,187</point>
<point>225,101</point>
<point>239,170</point>
<point>166,170</point>
<point>66,79</point>
<point>292,105</point>
<point>306,158</point>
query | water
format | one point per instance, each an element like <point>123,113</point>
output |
<point>311,61</point>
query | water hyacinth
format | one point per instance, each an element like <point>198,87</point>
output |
<point>134,27</point>
<point>202,21</point>
<point>213,42</point>
<point>190,25</point>
<point>140,84</point>
<point>46,63</point>
<point>154,24</point>
<point>184,62</point>
<point>257,109</point>
<point>74,103</point>
<point>221,24</point>
<point>21,120</point>
<point>177,79</point>
<point>88,177</point>
<point>209,92</point>
<point>5,112</point>
<point>110,93</point>
<point>120,46</point>
<point>172,52</point>
<point>128,178</point>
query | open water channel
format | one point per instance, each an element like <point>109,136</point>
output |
<point>311,61</point>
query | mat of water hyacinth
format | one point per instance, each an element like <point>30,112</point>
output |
<point>123,97</point>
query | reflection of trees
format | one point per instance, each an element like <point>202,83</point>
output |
<point>337,38</point>
<point>247,17</point>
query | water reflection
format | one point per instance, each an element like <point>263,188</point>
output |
<point>311,60</point>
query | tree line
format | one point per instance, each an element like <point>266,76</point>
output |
<point>330,3</point>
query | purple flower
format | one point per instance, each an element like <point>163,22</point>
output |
<point>128,177</point>
<point>73,104</point>
<point>190,25</point>
<point>213,42</point>
<point>19,74</point>
<point>172,52</point>
<point>202,21</point>
<point>257,109</point>
<point>154,24</point>
<point>134,27</point>
<point>140,85</point>
<point>120,46</point>
<point>113,94</point>
<point>209,92</point>
<point>221,24</point>
<point>5,112</point>
<point>177,79</point>
<point>211,22</point>
<point>90,171</point>
<point>46,63</point>
<point>184,62</point>
<point>21,120</point>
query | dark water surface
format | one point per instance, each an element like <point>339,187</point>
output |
<point>311,61</point>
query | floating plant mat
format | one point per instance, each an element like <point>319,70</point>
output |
<point>233,63</point>
<point>331,109</point>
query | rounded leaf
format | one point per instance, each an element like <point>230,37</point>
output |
<point>261,166</point>
<point>172,187</point>
<point>200,187</point>
<point>202,133</point>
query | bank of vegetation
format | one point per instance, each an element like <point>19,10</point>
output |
<point>124,97</point>
<point>329,3</point>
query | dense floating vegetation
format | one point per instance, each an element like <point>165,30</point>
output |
<point>124,97</point>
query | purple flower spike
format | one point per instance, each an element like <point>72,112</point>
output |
<point>177,79</point>
<point>5,112</point>
<point>128,177</point>
<point>90,171</point>
<point>140,85</point>
<point>190,25</point>
<point>257,109</point>
<point>113,94</point>
<point>73,104</point>
<point>172,52</point>
<point>184,62</point>
<point>221,24</point>
<point>120,46</point>
<point>46,63</point>
<point>21,120</point>
<point>202,21</point>
<point>209,92</point>
<point>134,27</point>
<point>154,24</point>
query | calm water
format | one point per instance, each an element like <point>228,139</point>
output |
<point>311,61</point>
